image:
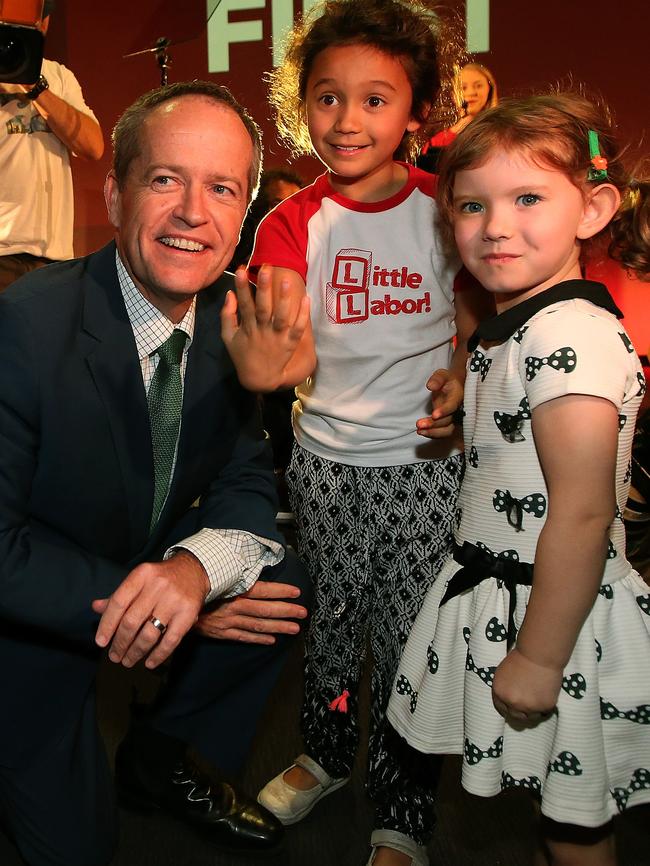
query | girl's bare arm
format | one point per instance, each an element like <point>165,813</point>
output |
<point>576,438</point>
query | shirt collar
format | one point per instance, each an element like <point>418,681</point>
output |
<point>504,325</point>
<point>150,327</point>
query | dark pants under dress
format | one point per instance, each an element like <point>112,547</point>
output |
<point>373,540</point>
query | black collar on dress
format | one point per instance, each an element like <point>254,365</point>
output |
<point>504,325</point>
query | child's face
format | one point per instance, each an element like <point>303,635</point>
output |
<point>358,104</point>
<point>516,226</point>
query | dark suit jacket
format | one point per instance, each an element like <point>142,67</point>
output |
<point>76,475</point>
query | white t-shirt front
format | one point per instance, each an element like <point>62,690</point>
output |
<point>382,312</point>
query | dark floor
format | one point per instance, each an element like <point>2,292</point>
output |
<point>470,832</point>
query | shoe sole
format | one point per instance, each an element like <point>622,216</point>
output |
<point>298,816</point>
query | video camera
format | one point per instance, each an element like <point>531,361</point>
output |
<point>21,41</point>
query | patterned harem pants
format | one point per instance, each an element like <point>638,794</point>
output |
<point>373,540</point>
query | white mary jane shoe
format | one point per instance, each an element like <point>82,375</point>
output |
<point>288,804</point>
<point>398,842</point>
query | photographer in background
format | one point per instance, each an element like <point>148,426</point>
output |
<point>40,126</point>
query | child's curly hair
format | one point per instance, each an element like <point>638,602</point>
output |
<point>553,131</point>
<point>428,45</point>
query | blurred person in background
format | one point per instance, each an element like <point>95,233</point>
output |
<point>41,124</point>
<point>477,91</point>
<point>276,184</point>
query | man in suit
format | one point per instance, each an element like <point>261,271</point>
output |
<point>119,411</point>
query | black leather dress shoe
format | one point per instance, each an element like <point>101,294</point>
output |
<point>225,816</point>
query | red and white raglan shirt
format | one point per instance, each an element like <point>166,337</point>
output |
<point>381,291</point>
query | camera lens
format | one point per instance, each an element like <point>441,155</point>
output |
<point>21,53</point>
<point>12,57</point>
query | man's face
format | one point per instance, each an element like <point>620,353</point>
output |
<point>180,210</point>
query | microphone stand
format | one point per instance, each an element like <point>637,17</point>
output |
<point>162,56</point>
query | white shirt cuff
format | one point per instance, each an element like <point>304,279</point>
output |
<point>232,558</point>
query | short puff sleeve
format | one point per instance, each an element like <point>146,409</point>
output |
<point>575,351</point>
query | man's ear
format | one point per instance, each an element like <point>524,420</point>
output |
<point>112,199</point>
<point>601,204</point>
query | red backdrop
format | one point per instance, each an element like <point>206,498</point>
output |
<point>531,45</point>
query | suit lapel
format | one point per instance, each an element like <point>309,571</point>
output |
<point>115,368</point>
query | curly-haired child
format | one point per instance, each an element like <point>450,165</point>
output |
<point>373,491</point>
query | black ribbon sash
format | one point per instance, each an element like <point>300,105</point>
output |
<point>479,565</point>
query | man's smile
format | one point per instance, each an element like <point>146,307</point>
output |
<point>182,244</point>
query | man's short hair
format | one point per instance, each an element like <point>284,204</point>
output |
<point>126,134</point>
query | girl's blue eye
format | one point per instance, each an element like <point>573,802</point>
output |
<point>471,207</point>
<point>528,199</point>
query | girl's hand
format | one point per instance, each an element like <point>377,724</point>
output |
<point>524,690</point>
<point>263,332</point>
<point>447,398</point>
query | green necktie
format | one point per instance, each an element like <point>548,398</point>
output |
<point>165,400</point>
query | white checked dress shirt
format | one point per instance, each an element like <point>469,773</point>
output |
<point>232,559</point>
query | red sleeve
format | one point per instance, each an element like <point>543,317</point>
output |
<point>281,238</point>
<point>440,139</point>
<point>423,180</point>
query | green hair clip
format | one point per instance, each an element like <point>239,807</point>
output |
<point>598,167</point>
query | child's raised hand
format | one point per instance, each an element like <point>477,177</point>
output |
<point>447,393</point>
<point>524,690</point>
<point>264,337</point>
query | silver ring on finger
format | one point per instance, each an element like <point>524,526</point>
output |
<point>156,623</point>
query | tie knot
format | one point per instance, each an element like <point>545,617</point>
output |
<point>171,350</point>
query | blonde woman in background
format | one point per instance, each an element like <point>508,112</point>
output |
<point>477,91</point>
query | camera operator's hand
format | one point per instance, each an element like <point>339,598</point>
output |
<point>79,132</point>
<point>10,87</point>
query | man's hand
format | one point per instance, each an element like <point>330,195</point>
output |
<point>172,591</point>
<point>447,397</point>
<point>524,690</point>
<point>264,339</point>
<point>255,616</point>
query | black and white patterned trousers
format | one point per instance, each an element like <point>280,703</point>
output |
<point>373,540</point>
